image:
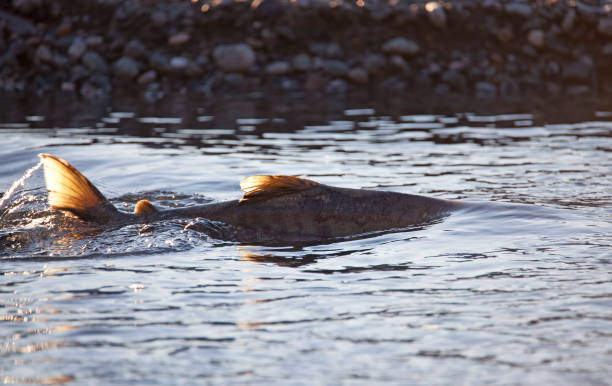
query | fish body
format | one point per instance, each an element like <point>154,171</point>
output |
<point>273,209</point>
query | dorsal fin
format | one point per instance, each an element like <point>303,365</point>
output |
<point>144,207</point>
<point>71,191</point>
<point>261,187</point>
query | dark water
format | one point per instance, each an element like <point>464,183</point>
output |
<point>516,289</point>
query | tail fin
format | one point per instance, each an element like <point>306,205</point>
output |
<point>70,191</point>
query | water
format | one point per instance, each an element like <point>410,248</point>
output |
<point>515,289</point>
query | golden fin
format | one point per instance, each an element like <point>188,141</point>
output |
<point>71,191</point>
<point>144,207</point>
<point>263,186</point>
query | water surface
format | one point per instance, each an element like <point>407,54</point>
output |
<point>515,289</point>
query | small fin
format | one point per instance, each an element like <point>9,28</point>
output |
<point>264,186</point>
<point>72,192</point>
<point>144,207</point>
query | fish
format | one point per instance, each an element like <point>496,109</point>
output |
<point>273,209</point>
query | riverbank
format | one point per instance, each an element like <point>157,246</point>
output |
<point>485,49</point>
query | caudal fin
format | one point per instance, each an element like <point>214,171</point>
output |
<point>70,191</point>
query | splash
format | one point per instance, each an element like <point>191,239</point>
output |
<point>20,182</point>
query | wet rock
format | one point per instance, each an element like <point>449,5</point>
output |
<point>579,70</point>
<point>94,41</point>
<point>147,77</point>
<point>536,37</point>
<point>485,90</point>
<point>607,49</point>
<point>179,39</point>
<point>302,62</point>
<point>315,82</point>
<point>159,62</point>
<point>436,14</point>
<point>604,26</point>
<point>159,18</point>
<point>455,79</point>
<point>335,67</point>
<point>336,86</point>
<point>358,75</point>
<point>234,57</point>
<point>27,6</point>
<point>94,62</point>
<point>569,20</point>
<point>493,5</point>
<point>179,63</point>
<point>135,49</point>
<point>509,88</point>
<point>60,61</point>
<point>77,48</point>
<point>44,54</point>
<point>235,80</point>
<point>375,64</point>
<point>442,89</point>
<point>17,24</point>
<point>399,63</point>
<point>278,68</point>
<point>64,28</point>
<point>519,9</point>
<point>576,90</point>
<point>126,67</point>
<point>553,88</point>
<point>401,46</point>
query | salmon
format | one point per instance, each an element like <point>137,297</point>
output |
<point>274,208</point>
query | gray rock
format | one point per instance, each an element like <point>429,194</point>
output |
<point>159,18</point>
<point>401,46</point>
<point>159,62</point>
<point>44,54</point>
<point>604,26</point>
<point>179,63</point>
<point>579,70</point>
<point>126,67</point>
<point>336,86</point>
<point>399,63</point>
<point>335,67</point>
<point>302,62</point>
<point>77,48</point>
<point>485,90</point>
<point>27,6</point>
<point>607,49</point>
<point>455,79</point>
<point>94,62</point>
<point>509,88</point>
<point>442,89</point>
<point>493,5</point>
<point>147,77</point>
<point>135,49</point>
<point>94,41</point>
<point>536,37</point>
<point>60,61</point>
<point>575,90</point>
<point>278,68</point>
<point>569,20</point>
<point>375,64</point>
<point>358,75</point>
<point>234,57</point>
<point>17,24</point>
<point>436,13</point>
<point>553,88</point>
<point>519,9</point>
<point>179,39</point>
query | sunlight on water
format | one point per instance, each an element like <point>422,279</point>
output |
<point>19,183</point>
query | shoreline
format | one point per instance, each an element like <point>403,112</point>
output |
<point>481,49</point>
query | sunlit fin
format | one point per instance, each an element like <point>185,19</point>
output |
<point>263,186</point>
<point>144,207</point>
<point>72,192</point>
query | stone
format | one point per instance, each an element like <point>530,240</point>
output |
<point>27,6</point>
<point>436,13</point>
<point>493,5</point>
<point>159,18</point>
<point>536,37</point>
<point>17,24</point>
<point>64,28</point>
<point>399,63</point>
<point>278,68</point>
<point>234,57</point>
<point>335,67</point>
<point>442,89</point>
<point>314,82</point>
<point>179,63</point>
<point>94,41</point>
<point>455,79</point>
<point>575,90</point>
<point>94,62</point>
<point>357,75</point>
<point>604,26</point>
<point>336,86</point>
<point>302,62</point>
<point>607,49</point>
<point>44,54</point>
<point>147,77</point>
<point>509,89</point>
<point>126,67</point>
<point>135,49</point>
<point>60,61</point>
<point>485,90</point>
<point>77,48</point>
<point>519,9</point>
<point>569,20</point>
<point>159,62</point>
<point>553,88</point>
<point>179,39</point>
<point>375,64</point>
<point>401,46</point>
<point>579,70</point>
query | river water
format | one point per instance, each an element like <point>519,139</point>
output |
<point>515,289</point>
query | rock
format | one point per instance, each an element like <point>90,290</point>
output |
<point>147,77</point>
<point>94,62</point>
<point>335,67</point>
<point>179,39</point>
<point>179,63</point>
<point>27,6</point>
<point>336,86</point>
<point>64,28</point>
<point>314,82</point>
<point>399,63</point>
<point>569,20</point>
<point>234,57</point>
<point>504,34</point>
<point>401,46</point>
<point>159,18</point>
<point>17,24</point>
<point>553,88</point>
<point>436,13</point>
<point>536,37</point>
<point>60,61</point>
<point>44,54</point>
<point>234,80</point>
<point>604,26</point>
<point>94,41</point>
<point>485,90</point>
<point>77,48</point>
<point>579,70</point>
<point>442,89</point>
<point>126,67</point>
<point>575,90</point>
<point>375,64</point>
<point>509,88</point>
<point>519,9</point>
<point>358,75</point>
<point>455,79</point>
<point>493,5</point>
<point>67,86</point>
<point>135,49</point>
<point>278,68</point>
<point>607,49</point>
<point>302,62</point>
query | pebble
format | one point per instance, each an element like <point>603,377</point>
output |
<point>509,88</point>
<point>302,62</point>
<point>436,13</point>
<point>179,39</point>
<point>357,75</point>
<point>399,63</point>
<point>135,49</point>
<point>147,77</point>
<point>44,54</point>
<point>536,37</point>
<point>94,41</point>
<point>336,86</point>
<point>519,9</point>
<point>77,48</point>
<point>604,26</point>
<point>335,67</point>
<point>579,70</point>
<point>314,82</point>
<point>234,57</point>
<point>485,90</point>
<point>94,62</point>
<point>126,67</point>
<point>607,49</point>
<point>278,68</point>
<point>455,79</point>
<point>575,90</point>
<point>375,64</point>
<point>568,21</point>
<point>401,46</point>
<point>179,63</point>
